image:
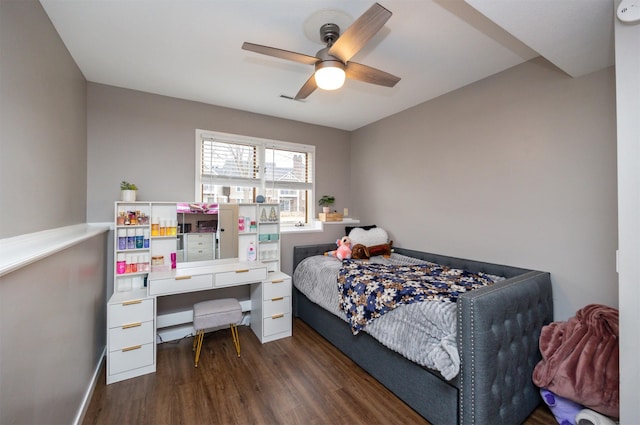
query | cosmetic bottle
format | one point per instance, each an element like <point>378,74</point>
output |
<point>145,238</point>
<point>122,239</point>
<point>251,252</point>
<point>134,264</point>
<point>131,238</point>
<point>127,265</point>
<point>155,226</point>
<point>121,264</point>
<point>139,239</point>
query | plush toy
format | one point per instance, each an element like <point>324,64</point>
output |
<point>360,252</point>
<point>563,409</point>
<point>344,249</point>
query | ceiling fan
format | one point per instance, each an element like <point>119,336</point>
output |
<point>332,63</point>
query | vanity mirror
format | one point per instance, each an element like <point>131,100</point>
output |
<point>206,231</point>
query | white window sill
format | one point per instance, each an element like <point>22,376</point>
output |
<point>316,226</point>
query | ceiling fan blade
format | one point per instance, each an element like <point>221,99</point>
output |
<point>357,71</point>
<point>307,88</point>
<point>360,32</point>
<point>279,53</point>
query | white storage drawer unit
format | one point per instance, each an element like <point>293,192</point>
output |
<point>271,307</point>
<point>130,336</point>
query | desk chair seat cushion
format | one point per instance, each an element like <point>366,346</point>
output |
<point>215,313</point>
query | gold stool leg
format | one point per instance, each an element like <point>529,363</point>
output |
<point>198,342</point>
<point>236,338</point>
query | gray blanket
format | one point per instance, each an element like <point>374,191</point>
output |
<point>423,332</point>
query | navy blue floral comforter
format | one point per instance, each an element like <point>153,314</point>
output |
<point>368,290</point>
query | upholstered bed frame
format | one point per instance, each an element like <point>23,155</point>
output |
<point>498,331</point>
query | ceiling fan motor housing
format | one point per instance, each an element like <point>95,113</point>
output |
<point>329,33</point>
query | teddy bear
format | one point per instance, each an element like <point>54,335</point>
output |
<point>344,249</point>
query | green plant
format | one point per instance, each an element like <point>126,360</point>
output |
<point>326,201</point>
<point>128,186</point>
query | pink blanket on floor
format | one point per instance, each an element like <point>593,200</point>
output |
<point>580,359</point>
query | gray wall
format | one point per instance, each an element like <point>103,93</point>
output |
<point>150,140</point>
<point>519,168</point>
<point>43,147</point>
<point>52,312</point>
<point>52,334</point>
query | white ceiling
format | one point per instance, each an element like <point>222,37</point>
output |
<point>191,49</point>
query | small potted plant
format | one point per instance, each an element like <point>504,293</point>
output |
<point>325,202</point>
<point>128,191</point>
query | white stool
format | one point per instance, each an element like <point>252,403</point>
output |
<point>215,313</point>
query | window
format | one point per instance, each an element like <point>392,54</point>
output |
<point>236,169</point>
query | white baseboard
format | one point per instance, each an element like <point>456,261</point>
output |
<point>84,406</point>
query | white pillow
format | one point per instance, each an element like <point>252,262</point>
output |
<point>371,237</point>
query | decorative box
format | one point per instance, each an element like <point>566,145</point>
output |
<point>334,216</point>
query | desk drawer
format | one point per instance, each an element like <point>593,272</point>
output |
<point>276,306</point>
<point>201,240</point>
<point>240,277</point>
<point>200,255</point>
<point>180,284</point>
<point>130,335</point>
<point>130,312</point>
<point>276,288</point>
<point>276,324</point>
<point>130,358</point>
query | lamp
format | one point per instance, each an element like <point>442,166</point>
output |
<point>329,74</point>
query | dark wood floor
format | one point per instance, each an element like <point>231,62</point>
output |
<point>298,380</point>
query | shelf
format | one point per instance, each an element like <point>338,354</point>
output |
<point>131,274</point>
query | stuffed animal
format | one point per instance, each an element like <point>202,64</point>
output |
<point>360,252</point>
<point>344,249</point>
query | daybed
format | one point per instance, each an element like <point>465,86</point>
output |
<point>498,328</point>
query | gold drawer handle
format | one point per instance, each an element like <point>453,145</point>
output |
<point>277,316</point>
<point>242,271</point>
<point>277,281</point>
<point>183,277</point>
<point>132,302</point>
<point>277,299</point>
<point>132,325</point>
<point>135,347</point>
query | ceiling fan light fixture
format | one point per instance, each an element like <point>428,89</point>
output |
<point>330,75</point>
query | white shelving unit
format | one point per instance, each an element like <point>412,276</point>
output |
<point>131,312</point>
<point>259,224</point>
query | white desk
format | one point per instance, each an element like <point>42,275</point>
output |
<point>132,320</point>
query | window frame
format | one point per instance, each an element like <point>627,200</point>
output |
<point>262,182</point>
